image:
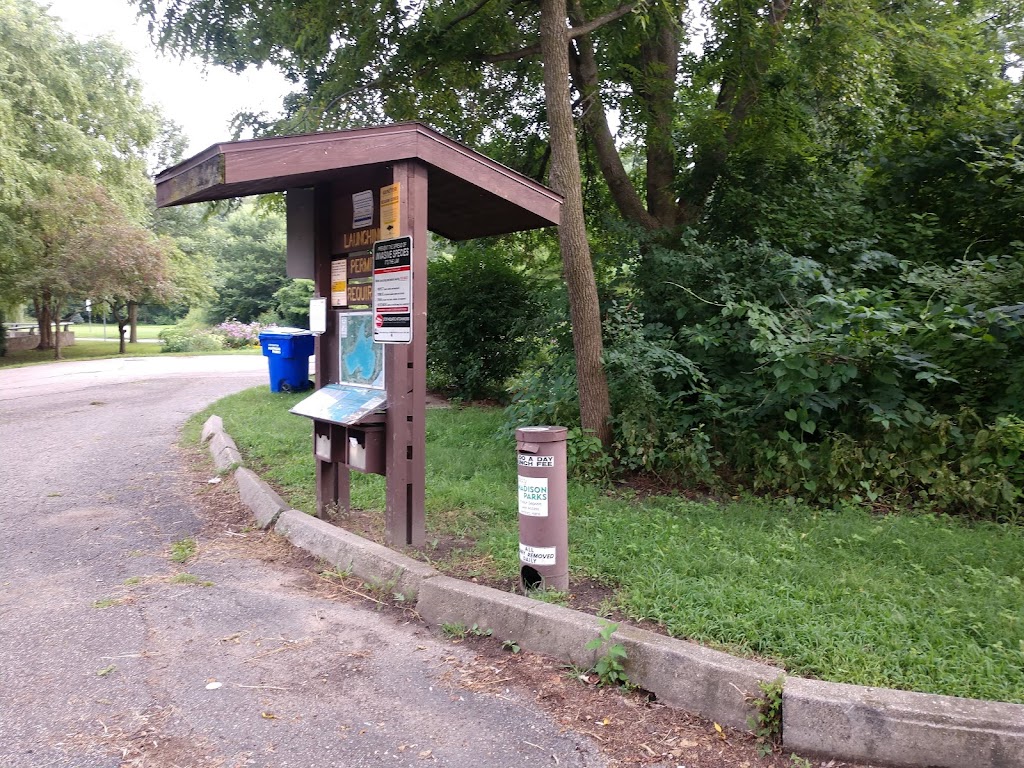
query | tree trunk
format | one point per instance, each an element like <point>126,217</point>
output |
<point>122,323</point>
<point>133,322</point>
<point>595,123</point>
<point>660,59</point>
<point>54,314</point>
<point>565,178</point>
<point>42,309</point>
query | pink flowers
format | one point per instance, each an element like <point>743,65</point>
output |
<point>237,335</point>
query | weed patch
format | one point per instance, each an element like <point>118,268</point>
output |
<point>189,579</point>
<point>182,550</point>
<point>609,669</point>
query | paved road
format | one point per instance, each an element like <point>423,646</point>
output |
<point>106,661</point>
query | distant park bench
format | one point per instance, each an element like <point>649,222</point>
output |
<point>30,329</point>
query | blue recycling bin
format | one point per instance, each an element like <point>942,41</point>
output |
<point>287,351</point>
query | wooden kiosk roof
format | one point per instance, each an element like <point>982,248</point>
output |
<point>469,196</point>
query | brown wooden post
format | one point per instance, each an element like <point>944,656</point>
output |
<point>406,372</point>
<point>328,474</point>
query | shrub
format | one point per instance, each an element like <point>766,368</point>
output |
<point>178,339</point>
<point>237,335</point>
<point>481,314</point>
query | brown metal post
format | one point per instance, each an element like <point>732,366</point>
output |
<point>543,508</point>
<point>406,377</point>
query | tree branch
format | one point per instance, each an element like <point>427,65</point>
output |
<point>600,21</point>
<point>463,16</point>
<point>574,32</point>
<point>595,123</point>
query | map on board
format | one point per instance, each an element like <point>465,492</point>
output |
<point>361,360</point>
<point>341,403</point>
<point>361,370</point>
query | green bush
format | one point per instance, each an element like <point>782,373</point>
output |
<point>873,380</point>
<point>482,312</point>
<point>178,339</point>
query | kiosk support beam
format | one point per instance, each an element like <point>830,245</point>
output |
<point>405,371</point>
<point>332,478</point>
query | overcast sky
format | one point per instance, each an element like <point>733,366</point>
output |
<point>202,103</point>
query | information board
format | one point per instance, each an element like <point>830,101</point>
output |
<point>392,291</point>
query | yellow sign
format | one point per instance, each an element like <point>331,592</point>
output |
<point>339,280</point>
<point>390,224</point>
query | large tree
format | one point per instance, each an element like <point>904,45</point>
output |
<point>81,243</point>
<point>248,251</point>
<point>782,105</point>
<point>73,127</point>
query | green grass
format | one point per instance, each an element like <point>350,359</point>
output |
<point>98,350</point>
<point>80,350</point>
<point>95,331</point>
<point>182,550</point>
<point>918,603</point>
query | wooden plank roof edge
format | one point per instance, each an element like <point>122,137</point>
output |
<point>422,129</point>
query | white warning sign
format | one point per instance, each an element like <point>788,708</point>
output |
<point>533,496</point>
<point>536,555</point>
<point>526,460</point>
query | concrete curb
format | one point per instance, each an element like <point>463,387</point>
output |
<point>382,567</point>
<point>900,728</point>
<point>265,504</point>
<point>701,680</point>
<point>212,426</point>
<point>847,722</point>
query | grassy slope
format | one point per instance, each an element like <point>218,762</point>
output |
<point>918,603</point>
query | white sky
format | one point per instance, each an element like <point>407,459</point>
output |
<point>201,103</point>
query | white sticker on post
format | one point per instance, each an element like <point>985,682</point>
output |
<point>536,555</point>
<point>526,460</point>
<point>533,496</point>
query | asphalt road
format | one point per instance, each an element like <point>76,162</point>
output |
<point>110,657</point>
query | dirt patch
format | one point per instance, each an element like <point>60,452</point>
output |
<point>631,729</point>
<point>140,739</point>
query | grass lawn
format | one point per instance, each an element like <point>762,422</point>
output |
<point>80,350</point>
<point>95,331</point>
<point>93,350</point>
<point>917,603</point>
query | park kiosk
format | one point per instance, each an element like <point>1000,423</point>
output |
<point>360,204</point>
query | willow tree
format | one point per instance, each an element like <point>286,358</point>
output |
<point>72,118</point>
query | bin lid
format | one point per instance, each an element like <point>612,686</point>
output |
<point>541,434</point>
<point>285,331</point>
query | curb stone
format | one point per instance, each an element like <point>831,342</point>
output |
<point>831,720</point>
<point>228,458</point>
<point>900,728</point>
<point>213,425</point>
<point>265,504</point>
<point>350,553</point>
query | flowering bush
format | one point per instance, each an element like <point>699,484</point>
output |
<point>179,339</point>
<point>236,334</point>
